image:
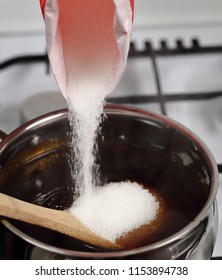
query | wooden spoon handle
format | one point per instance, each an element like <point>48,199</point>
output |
<point>60,221</point>
<point>20,210</point>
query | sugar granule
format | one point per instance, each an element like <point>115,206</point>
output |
<point>115,209</point>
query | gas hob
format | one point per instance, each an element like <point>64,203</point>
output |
<point>176,72</point>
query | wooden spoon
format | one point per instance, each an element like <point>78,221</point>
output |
<point>60,221</point>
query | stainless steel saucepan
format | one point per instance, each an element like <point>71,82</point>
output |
<point>133,145</point>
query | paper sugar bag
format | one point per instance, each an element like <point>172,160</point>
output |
<point>88,43</point>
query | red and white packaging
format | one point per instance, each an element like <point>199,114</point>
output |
<point>87,38</point>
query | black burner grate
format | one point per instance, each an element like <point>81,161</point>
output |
<point>147,52</point>
<point>164,50</point>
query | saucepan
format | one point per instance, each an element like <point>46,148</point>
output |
<point>133,145</point>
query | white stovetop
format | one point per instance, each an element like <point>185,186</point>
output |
<point>19,82</point>
<point>25,15</point>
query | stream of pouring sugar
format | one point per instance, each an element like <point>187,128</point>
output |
<point>88,43</point>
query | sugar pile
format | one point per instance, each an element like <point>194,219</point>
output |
<point>115,209</point>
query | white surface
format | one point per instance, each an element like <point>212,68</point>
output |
<point>177,12</point>
<point>20,16</point>
<point>25,15</point>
